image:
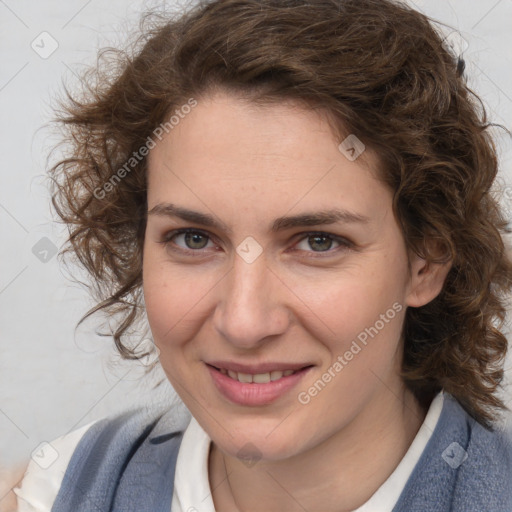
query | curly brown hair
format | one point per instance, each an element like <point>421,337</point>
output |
<point>384,73</point>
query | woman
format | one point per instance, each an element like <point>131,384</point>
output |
<point>298,196</point>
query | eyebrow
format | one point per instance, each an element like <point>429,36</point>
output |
<point>279,224</point>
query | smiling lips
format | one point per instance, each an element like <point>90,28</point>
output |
<point>255,384</point>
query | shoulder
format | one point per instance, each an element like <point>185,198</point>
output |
<point>487,464</point>
<point>121,433</point>
<point>483,467</point>
<point>464,467</point>
<point>44,473</point>
<point>485,448</point>
<point>122,461</point>
<point>99,445</point>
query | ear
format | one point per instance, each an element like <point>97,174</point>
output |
<point>426,280</point>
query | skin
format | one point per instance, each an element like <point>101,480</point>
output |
<point>10,478</point>
<point>299,301</point>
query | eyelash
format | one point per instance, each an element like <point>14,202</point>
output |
<point>167,242</point>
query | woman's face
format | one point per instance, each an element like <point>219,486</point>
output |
<point>267,280</point>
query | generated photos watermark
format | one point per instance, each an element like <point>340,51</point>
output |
<point>304,397</point>
<point>454,455</point>
<point>352,148</point>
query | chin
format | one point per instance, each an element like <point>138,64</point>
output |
<point>258,442</point>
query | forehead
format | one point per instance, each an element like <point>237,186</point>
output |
<point>227,151</point>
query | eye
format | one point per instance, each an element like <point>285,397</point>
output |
<point>186,240</point>
<point>322,242</point>
<point>193,241</point>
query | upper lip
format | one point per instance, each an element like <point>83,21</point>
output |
<point>256,368</point>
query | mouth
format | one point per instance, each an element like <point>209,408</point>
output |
<point>255,385</point>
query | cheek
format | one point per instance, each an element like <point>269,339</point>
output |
<point>362,322</point>
<point>353,302</point>
<point>358,315</point>
<point>165,306</point>
<point>175,301</point>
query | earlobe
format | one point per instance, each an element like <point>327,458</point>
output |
<point>426,281</point>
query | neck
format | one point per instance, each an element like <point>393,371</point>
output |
<point>340,474</point>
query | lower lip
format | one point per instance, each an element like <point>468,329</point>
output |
<point>249,393</point>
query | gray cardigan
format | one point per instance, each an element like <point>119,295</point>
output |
<point>126,464</point>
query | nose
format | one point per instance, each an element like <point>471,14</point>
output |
<point>251,306</point>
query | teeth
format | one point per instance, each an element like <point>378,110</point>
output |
<point>258,378</point>
<point>276,374</point>
<point>262,378</point>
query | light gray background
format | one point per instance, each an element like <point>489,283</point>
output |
<point>51,380</point>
